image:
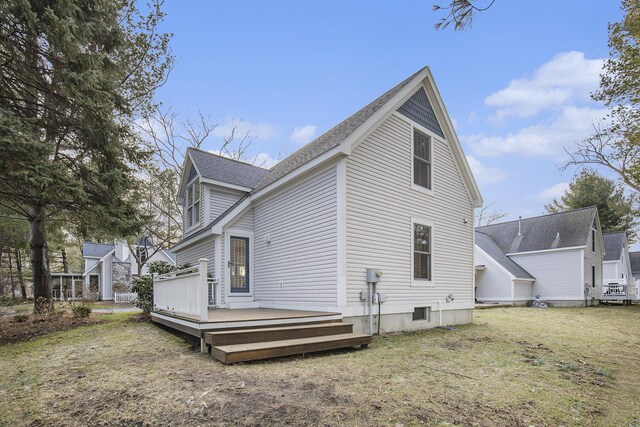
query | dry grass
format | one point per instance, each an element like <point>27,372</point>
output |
<point>513,366</point>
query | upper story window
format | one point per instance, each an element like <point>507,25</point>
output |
<point>192,205</point>
<point>142,254</point>
<point>421,252</point>
<point>421,159</point>
<point>593,240</point>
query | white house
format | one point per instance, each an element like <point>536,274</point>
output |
<point>106,265</point>
<point>557,256</point>
<point>387,188</point>
<point>617,272</point>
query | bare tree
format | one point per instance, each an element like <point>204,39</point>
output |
<point>460,13</point>
<point>616,147</point>
<point>487,215</point>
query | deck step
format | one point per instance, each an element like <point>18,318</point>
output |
<point>246,336</point>
<point>268,349</point>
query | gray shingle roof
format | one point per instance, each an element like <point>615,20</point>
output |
<point>219,168</point>
<point>97,250</point>
<point>559,230</point>
<point>635,262</point>
<point>613,245</point>
<point>332,138</point>
<point>493,250</point>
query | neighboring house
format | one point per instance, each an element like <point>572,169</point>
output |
<point>108,265</point>
<point>557,256</point>
<point>388,188</point>
<point>618,277</point>
<point>634,260</point>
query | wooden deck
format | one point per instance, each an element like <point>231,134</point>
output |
<point>238,335</point>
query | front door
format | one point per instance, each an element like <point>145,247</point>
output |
<point>239,264</point>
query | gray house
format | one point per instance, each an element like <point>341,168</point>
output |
<point>108,266</point>
<point>557,256</point>
<point>388,188</point>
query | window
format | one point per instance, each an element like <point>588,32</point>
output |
<point>421,159</point>
<point>421,252</point>
<point>193,204</point>
<point>421,313</point>
<point>593,276</point>
<point>142,254</point>
<point>593,240</point>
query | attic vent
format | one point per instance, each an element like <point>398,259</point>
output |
<point>418,108</point>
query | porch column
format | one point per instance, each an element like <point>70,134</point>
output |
<point>203,291</point>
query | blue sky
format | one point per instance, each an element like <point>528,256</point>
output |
<point>516,85</point>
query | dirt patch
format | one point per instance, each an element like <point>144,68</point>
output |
<point>20,328</point>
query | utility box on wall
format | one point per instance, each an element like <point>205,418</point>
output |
<point>374,275</point>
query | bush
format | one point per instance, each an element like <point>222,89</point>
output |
<point>143,286</point>
<point>81,311</point>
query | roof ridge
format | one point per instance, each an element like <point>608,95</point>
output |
<point>539,216</point>
<point>226,158</point>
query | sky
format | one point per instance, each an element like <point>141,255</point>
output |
<point>516,84</point>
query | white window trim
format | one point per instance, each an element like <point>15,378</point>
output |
<point>423,282</point>
<point>186,208</point>
<point>433,138</point>
<point>227,273</point>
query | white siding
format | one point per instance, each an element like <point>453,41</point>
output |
<point>245,222</point>
<point>203,249</point>
<point>558,274</point>
<point>492,284</point>
<point>221,199</point>
<point>611,270</point>
<point>107,284</point>
<point>522,290</point>
<point>380,204</point>
<point>302,222</point>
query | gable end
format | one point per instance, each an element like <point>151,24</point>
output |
<point>419,109</point>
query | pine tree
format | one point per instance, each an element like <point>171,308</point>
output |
<point>74,75</point>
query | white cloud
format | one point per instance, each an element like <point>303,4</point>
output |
<point>304,134</point>
<point>262,131</point>
<point>484,174</point>
<point>569,76</point>
<point>553,192</point>
<point>264,160</point>
<point>570,126</point>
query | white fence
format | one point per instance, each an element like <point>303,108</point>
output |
<point>184,291</point>
<point>618,289</point>
<point>124,297</point>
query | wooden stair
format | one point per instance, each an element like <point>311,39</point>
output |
<point>263,343</point>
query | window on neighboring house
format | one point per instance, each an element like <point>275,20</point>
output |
<point>593,276</point>
<point>142,254</point>
<point>421,252</point>
<point>421,159</point>
<point>192,204</point>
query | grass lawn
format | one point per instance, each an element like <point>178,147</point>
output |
<point>512,366</point>
<point>27,307</point>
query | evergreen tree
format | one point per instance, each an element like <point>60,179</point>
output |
<point>618,211</point>
<point>74,75</point>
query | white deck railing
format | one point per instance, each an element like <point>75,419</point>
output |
<point>617,288</point>
<point>184,291</point>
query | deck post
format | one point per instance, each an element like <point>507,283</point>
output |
<point>203,291</point>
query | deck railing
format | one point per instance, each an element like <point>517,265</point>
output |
<point>184,291</point>
<point>618,289</point>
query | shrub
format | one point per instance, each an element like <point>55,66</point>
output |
<point>120,287</point>
<point>143,286</point>
<point>81,311</point>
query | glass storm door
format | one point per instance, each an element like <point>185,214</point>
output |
<point>239,264</point>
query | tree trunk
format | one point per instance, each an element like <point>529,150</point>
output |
<point>13,285</point>
<point>65,263</point>
<point>1,281</point>
<point>43,302</point>
<point>23,288</point>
